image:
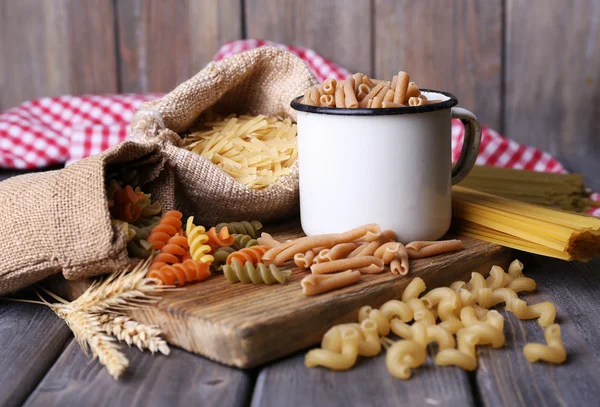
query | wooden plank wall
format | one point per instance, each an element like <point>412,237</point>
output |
<point>528,68</point>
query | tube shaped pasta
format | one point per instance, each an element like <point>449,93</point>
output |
<point>401,87</point>
<point>315,96</point>
<point>336,361</point>
<point>377,316</point>
<point>413,289</point>
<point>332,340</point>
<point>397,309</point>
<point>412,90</point>
<point>418,250</point>
<point>387,251</point>
<point>361,263</point>
<point>454,357</point>
<point>339,96</point>
<point>317,284</point>
<point>350,97</point>
<point>522,284</point>
<point>266,239</point>
<point>327,100</point>
<point>399,264</point>
<point>357,81</point>
<point>304,260</point>
<point>388,97</point>
<point>402,356</point>
<point>329,86</point>
<point>376,103</point>
<point>363,90</point>
<point>374,91</point>
<point>497,278</point>
<point>515,269</point>
<point>337,252</point>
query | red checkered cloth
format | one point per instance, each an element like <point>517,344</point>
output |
<point>63,129</point>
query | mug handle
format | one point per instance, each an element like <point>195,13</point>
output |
<point>470,147</point>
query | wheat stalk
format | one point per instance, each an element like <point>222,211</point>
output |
<point>131,332</point>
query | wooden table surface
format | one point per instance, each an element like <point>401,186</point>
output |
<point>41,364</point>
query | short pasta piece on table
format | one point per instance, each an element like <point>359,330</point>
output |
<point>257,274</point>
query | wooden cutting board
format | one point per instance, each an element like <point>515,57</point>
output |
<point>246,325</point>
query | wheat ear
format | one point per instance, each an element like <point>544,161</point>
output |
<point>132,332</point>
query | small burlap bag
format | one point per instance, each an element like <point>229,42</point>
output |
<point>260,81</point>
<point>59,220</point>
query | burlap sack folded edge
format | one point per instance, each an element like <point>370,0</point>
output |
<point>260,81</point>
<point>59,220</point>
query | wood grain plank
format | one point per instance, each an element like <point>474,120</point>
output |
<point>448,45</point>
<point>31,339</point>
<point>336,29</point>
<point>162,44</point>
<point>553,75</point>
<point>56,47</point>
<point>180,379</point>
<point>245,325</point>
<point>368,383</point>
<point>505,377</point>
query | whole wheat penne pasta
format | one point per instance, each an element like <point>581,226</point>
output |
<point>374,91</point>
<point>314,95</point>
<point>350,100</point>
<point>327,100</point>
<point>370,103</point>
<point>391,104</point>
<point>401,87</point>
<point>383,90</point>
<point>363,90</point>
<point>339,96</point>
<point>267,240</point>
<point>367,81</point>
<point>304,260</point>
<point>308,101</point>
<point>389,96</point>
<point>371,248</point>
<point>345,264</point>
<point>320,89</point>
<point>394,81</point>
<point>387,251</point>
<point>329,86</point>
<point>376,103</point>
<point>372,269</point>
<point>366,233</point>
<point>417,101</point>
<point>412,91</point>
<point>318,284</point>
<point>399,264</point>
<point>357,251</point>
<point>357,81</point>
<point>339,251</point>
<point>428,249</point>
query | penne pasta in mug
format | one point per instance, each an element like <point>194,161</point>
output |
<point>360,91</point>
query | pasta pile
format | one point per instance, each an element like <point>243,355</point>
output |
<point>524,226</point>
<point>133,212</point>
<point>255,150</point>
<point>463,312</point>
<point>338,260</point>
<point>360,91</point>
<point>563,191</point>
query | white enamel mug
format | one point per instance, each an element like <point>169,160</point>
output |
<point>387,166</point>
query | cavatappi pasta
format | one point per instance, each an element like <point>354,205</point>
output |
<point>462,311</point>
<point>255,150</point>
<point>360,91</point>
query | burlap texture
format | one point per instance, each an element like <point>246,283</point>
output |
<point>260,81</point>
<point>59,220</point>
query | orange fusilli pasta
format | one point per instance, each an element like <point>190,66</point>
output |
<point>181,273</point>
<point>124,204</point>
<point>252,254</point>
<point>168,227</point>
<point>221,239</point>
<point>173,252</point>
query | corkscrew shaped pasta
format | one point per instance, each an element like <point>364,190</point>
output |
<point>197,238</point>
<point>171,253</point>
<point>243,227</point>
<point>180,273</point>
<point>259,274</point>
<point>143,227</point>
<point>402,356</point>
<point>342,360</point>
<point>243,241</point>
<point>221,239</point>
<point>552,352</point>
<point>220,256</point>
<point>140,249</point>
<point>148,207</point>
<point>249,254</point>
<point>167,227</point>
<point>125,204</point>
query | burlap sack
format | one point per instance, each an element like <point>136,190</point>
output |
<point>59,220</point>
<point>260,81</point>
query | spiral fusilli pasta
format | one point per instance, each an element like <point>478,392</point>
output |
<point>221,239</point>
<point>197,238</point>
<point>243,227</point>
<point>167,227</point>
<point>220,257</point>
<point>249,254</point>
<point>181,273</point>
<point>259,274</point>
<point>242,241</point>
<point>171,253</point>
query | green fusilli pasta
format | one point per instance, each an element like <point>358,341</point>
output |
<point>260,274</point>
<point>243,241</point>
<point>243,227</point>
<point>220,256</point>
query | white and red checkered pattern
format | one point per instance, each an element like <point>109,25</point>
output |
<point>63,129</point>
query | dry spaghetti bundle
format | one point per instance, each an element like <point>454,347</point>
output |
<point>564,191</point>
<point>255,150</point>
<point>524,226</point>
